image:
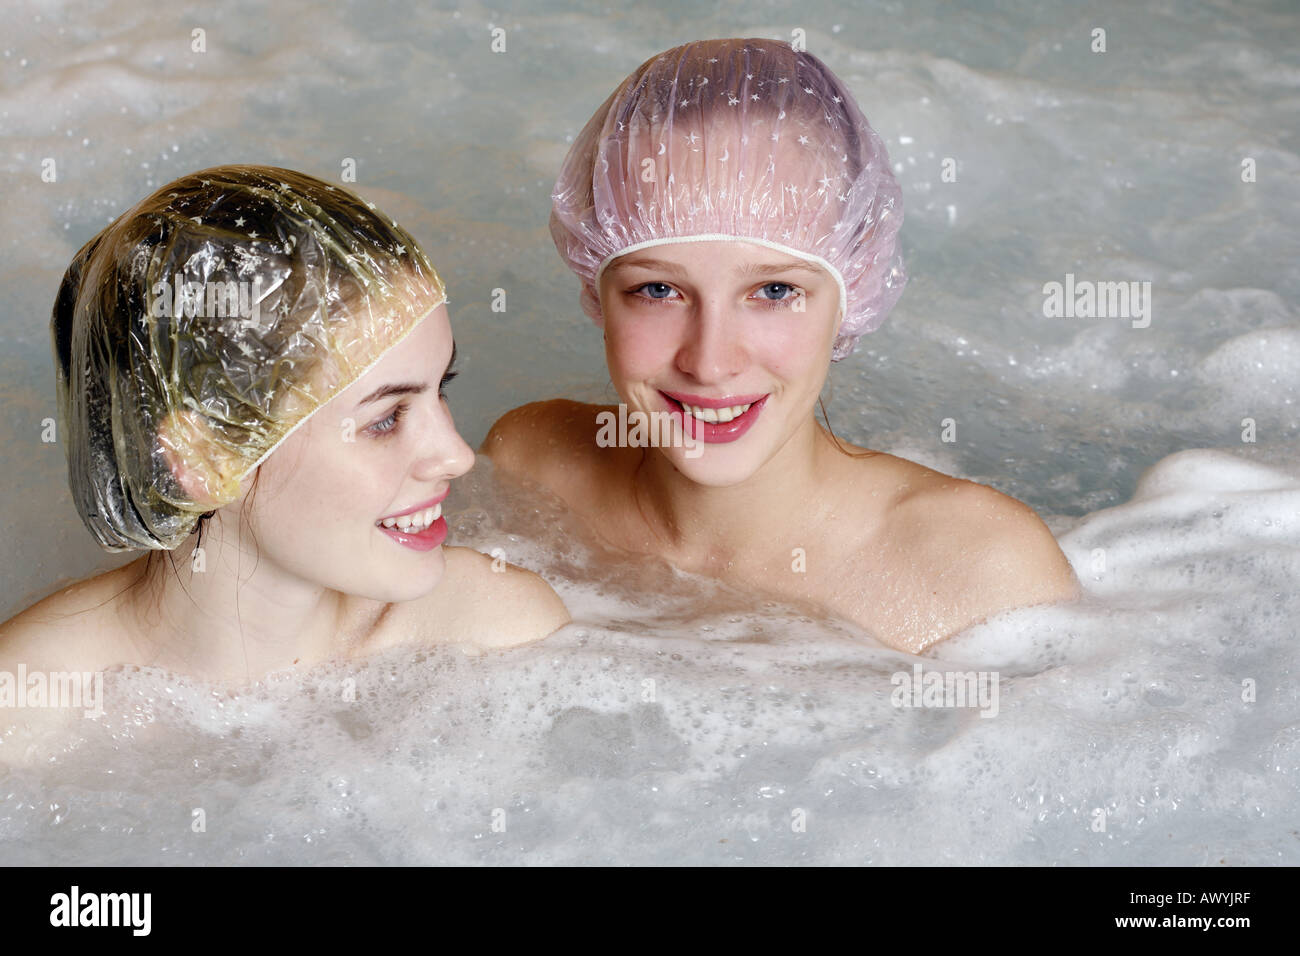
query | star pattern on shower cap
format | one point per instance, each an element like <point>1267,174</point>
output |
<point>246,260</point>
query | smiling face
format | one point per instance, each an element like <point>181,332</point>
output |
<point>718,326</point>
<point>384,447</point>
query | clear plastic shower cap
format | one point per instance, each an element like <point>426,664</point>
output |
<point>736,139</point>
<point>205,325</point>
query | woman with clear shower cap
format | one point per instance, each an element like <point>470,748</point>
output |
<point>250,372</point>
<point>733,221</point>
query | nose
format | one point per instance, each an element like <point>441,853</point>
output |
<point>713,350</point>
<point>443,453</point>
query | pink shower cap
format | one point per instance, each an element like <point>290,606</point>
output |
<point>739,140</point>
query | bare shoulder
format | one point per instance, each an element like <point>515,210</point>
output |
<point>484,602</point>
<point>554,444</point>
<point>995,539</point>
<point>72,628</point>
<point>975,552</point>
<point>540,429</point>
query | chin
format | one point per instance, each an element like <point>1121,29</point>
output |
<point>406,584</point>
<point>715,470</point>
<point>401,595</point>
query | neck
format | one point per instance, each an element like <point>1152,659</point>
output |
<point>713,528</point>
<point>237,616</point>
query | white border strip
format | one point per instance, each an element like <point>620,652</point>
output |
<point>414,325</point>
<point>723,237</point>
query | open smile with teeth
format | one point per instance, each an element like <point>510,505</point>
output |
<point>415,522</point>
<point>716,415</point>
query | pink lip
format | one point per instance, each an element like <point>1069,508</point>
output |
<point>720,432</point>
<point>426,540</point>
<point>700,401</point>
<point>420,507</point>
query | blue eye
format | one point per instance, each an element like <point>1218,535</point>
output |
<point>778,291</point>
<point>655,290</point>
<point>387,426</point>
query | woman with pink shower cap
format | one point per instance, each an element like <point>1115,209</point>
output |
<point>734,222</point>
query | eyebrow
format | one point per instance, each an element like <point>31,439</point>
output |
<point>660,265</point>
<point>673,268</point>
<point>405,388</point>
<point>767,270</point>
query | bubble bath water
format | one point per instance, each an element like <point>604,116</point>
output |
<point>1157,721</point>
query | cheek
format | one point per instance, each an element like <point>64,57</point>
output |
<point>314,479</point>
<point>286,502</point>
<point>800,370</point>
<point>795,347</point>
<point>637,345</point>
